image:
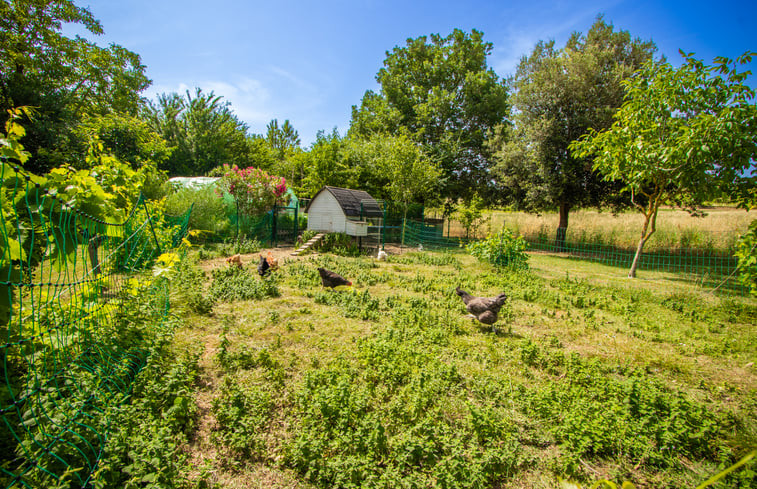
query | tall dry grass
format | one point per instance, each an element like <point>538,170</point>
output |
<point>717,231</point>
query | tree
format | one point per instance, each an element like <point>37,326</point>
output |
<point>324,164</point>
<point>128,138</point>
<point>557,96</point>
<point>202,131</point>
<point>63,77</point>
<point>682,136</point>
<point>284,142</point>
<point>442,94</point>
<point>282,139</point>
<point>408,175</point>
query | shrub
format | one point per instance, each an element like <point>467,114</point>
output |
<point>209,211</point>
<point>243,245</point>
<point>501,250</point>
<point>185,286</point>
<point>239,284</point>
<point>338,244</point>
<point>746,253</point>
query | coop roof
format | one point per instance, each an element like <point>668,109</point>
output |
<point>351,200</point>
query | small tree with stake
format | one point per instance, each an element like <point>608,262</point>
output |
<point>682,136</point>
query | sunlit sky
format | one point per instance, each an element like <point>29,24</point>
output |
<point>311,61</point>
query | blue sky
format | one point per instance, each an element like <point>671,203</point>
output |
<point>310,61</point>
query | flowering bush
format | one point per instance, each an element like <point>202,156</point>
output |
<point>254,190</point>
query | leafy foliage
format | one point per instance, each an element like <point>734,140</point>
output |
<point>376,422</point>
<point>338,244</point>
<point>746,253</point>
<point>202,132</point>
<point>471,216</point>
<point>238,284</point>
<point>503,250</point>
<point>682,136</point>
<point>146,446</point>
<point>440,92</point>
<point>558,94</point>
<point>400,164</point>
<point>63,77</point>
<point>254,191</point>
<point>209,211</point>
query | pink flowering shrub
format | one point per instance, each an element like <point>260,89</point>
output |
<point>254,190</point>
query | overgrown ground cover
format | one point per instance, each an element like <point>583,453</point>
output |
<point>388,383</point>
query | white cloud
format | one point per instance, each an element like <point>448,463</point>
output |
<point>250,99</point>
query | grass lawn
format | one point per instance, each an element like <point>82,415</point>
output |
<point>590,375</point>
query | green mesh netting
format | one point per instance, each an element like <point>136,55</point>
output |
<point>706,268</point>
<point>64,282</point>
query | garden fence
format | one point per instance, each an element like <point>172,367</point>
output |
<point>64,277</point>
<point>707,268</point>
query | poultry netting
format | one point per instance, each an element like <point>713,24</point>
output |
<point>65,280</point>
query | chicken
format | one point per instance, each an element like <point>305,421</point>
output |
<point>263,267</point>
<point>484,309</point>
<point>273,263</point>
<point>331,279</point>
<point>234,260</point>
<point>381,255</point>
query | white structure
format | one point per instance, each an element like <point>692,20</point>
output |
<point>193,183</point>
<point>342,210</point>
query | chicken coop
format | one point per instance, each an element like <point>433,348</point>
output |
<point>342,210</point>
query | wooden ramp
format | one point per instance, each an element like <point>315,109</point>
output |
<point>310,243</point>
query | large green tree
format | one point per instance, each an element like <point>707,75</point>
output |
<point>441,93</point>
<point>683,135</point>
<point>325,164</point>
<point>558,94</point>
<point>64,78</point>
<point>284,142</point>
<point>203,132</point>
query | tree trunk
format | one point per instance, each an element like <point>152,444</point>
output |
<point>649,217</point>
<point>562,227</point>
<point>636,258</point>
<point>92,247</point>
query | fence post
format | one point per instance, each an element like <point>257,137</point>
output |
<point>152,228</point>
<point>274,213</point>
<point>296,222</point>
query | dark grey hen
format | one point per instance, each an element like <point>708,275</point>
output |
<point>332,279</point>
<point>263,266</point>
<point>484,309</point>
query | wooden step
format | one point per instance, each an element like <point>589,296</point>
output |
<point>310,243</point>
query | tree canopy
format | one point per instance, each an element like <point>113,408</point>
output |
<point>63,78</point>
<point>203,133</point>
<point>441,93</point>
<point>558,94</point>
<point>682,136</point>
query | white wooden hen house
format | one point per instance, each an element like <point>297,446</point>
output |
<point>343,210</point>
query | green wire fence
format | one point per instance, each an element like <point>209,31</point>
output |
<point>65,282</point>
<point>707,268</point>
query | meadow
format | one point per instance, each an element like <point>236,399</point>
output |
<point>716,229</point>
<point>589,375</point>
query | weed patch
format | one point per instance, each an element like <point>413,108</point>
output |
<point>239,284</point>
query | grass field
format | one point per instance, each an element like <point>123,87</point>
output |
<point>717,230</point>
<point>590,375</point>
